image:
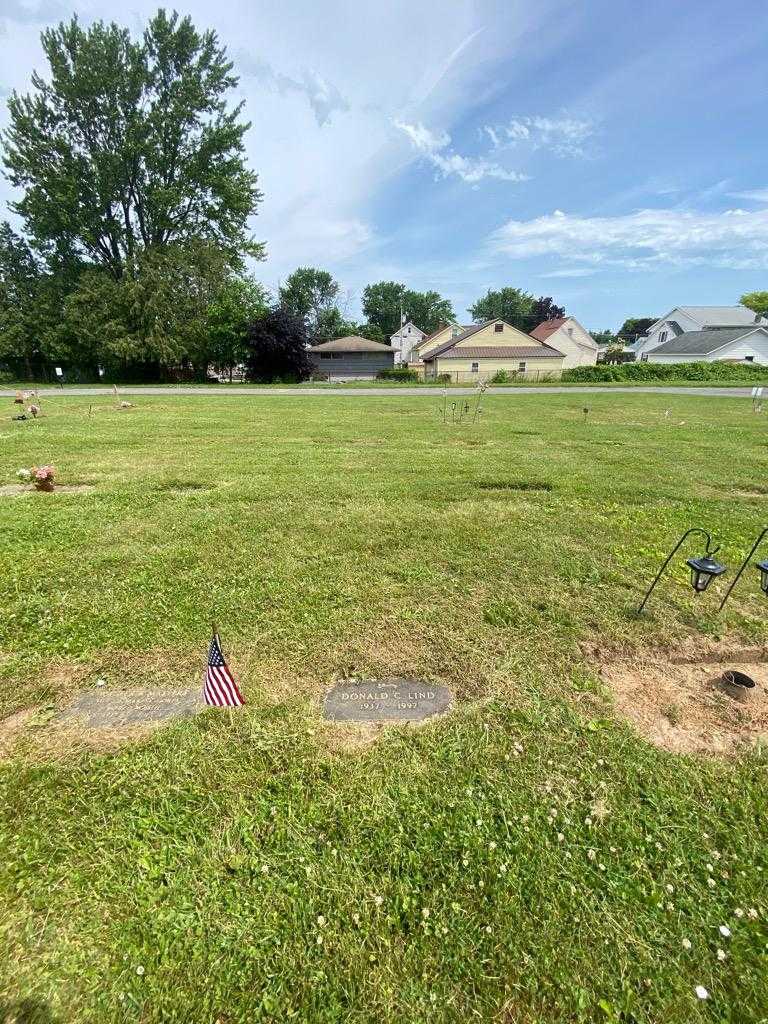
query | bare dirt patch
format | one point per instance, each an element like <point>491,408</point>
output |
<point>14,490</point>
<point>98,719</point>
<point>677,700</point>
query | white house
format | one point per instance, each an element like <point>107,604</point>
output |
<point>686,319</point>
<point>568,336</point>
<point>748,344</point>
<point>402,341</point>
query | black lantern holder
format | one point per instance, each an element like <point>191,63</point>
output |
<point>762,566</point>
<point>703,569</point>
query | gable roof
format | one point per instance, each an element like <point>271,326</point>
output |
<point>704,342</point>
<point>547,327</point>
<point>711,316</point>
<point>351,343</point>
<point>408,323</point>
<point>467,333</point>
<point>439,330</point>
<point>501,352</point>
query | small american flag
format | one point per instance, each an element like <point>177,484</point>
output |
<point>220,689</point>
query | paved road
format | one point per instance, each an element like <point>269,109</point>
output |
<point>289,392</point>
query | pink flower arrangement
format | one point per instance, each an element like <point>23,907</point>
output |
<point>43,477</point>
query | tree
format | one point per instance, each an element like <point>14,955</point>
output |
<point>510,304</point>
<point>311,293</point>
<point>633,326</point>
<point>241,301</point>
<point>129,145</point>
<point>757,301</point>
<point>606,337</point>
<point>544,309</point>
<point>19,283</point>
<point>382,303</point>
<point>277,347</point>
<point>156,316</point>
<point>427,310</point>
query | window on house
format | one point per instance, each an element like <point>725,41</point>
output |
<point>475,367</point>
<point>408,331</point>
<point>570,332</point>
<point>644,357</point>
<point>498,328</point>
<point>521,366</point>
<point>325,355</point>
<point>662,337</point>
<point>749,359</point>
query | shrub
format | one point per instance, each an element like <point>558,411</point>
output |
<point>318,375</point>
<point>443,378</point>
<point>665,371</point>
<point>503,377</point>
<point>401,373</point>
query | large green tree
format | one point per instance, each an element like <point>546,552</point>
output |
<point>127,145</point>
<point>510,304</point>
<point>156,316</point>
<point>757,301</point>
<point>277,347</point>
<point>383,301</point>
<point>311,294</point>
<point>19,285</point>
<point>240,302</point>
<point>633,326</point>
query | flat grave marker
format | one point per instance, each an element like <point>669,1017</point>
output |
<point>386,700</point>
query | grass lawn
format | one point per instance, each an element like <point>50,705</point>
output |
<point>528,858</point>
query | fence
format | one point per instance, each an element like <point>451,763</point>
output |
<point>509,376</point>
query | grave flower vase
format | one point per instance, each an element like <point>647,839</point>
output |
<point>44,485</point>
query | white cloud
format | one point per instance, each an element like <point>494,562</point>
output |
<point>563,136</point>
<point>572,272</point>
<point>323,96</point>
<point>436,148</point>
<point>757,195</point>
<point>734,239</point>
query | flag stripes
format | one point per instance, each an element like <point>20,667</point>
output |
<point>220,689</point>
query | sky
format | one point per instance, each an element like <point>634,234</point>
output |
<point>610,153</point>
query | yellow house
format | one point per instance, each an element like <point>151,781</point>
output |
<point>481,351</point>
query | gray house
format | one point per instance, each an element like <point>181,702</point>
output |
<point>352,358</point>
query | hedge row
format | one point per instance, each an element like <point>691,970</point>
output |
<point>666,371</point>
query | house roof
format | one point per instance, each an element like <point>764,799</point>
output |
<point>466,333</point>
<point>439,330</point>
<point>704,342</point>
<point>500,352</point>
<point>547,327</point>
<point>721,316</point>
<point>352,343</point>
<point>408,323</point>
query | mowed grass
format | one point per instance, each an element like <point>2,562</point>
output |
<point>526,859</point>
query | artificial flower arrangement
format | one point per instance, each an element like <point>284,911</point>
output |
<point>41,476</point>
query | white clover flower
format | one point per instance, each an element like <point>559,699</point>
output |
<point>725,931</point>
<point>686,943</point>
<point>560,837</point>
<point>716,855</point>
<point>488,929</point>
<point>709,867</point>
<point>491,845</point>
<point>670,888</point>
<point>265,869</point>
<point>752,914</point>
<point>739,912</point>
<point>721,954</point>
<point>701,992</point>
<point>591,854</point>
<point>425,912</point>
<point>378,900</point>
<point>319,940</point>
<point>139,970</point>
<point>356,918</point>
<point>320,921</point>
<point>670,906</point>
<point>587,820</point>
<point>601,867</point>
<point>711,882</point>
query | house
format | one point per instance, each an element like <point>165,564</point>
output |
<point>747,344</point>
<point>686,319</point>
<point>402,341</point>
<point>435,339</point>
<point>482,350</point>
<point>351,358</point>
<point>568,336</point>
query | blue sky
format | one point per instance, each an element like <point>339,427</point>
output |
<point>611,154</point>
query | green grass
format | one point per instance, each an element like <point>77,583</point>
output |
<point>253,867</point>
